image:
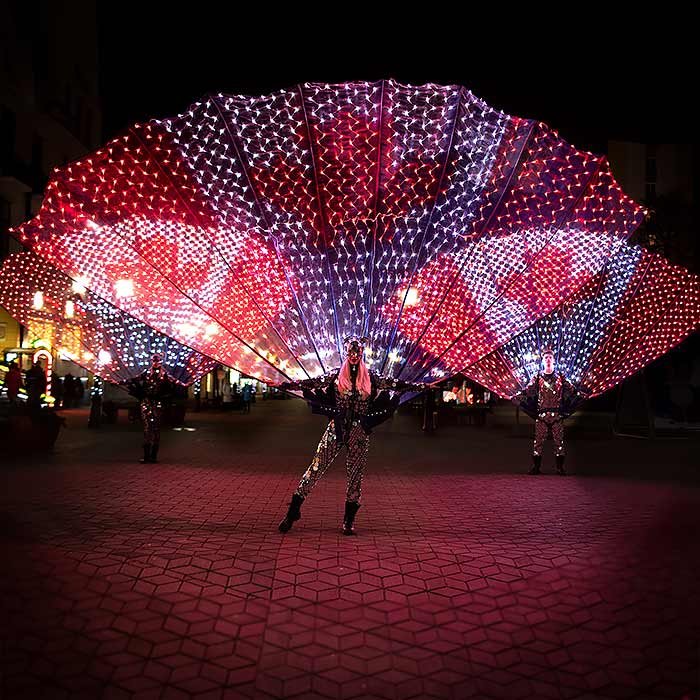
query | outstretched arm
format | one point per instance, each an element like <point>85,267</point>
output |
<point>177,382</point>
<point>126,383</point>
<point>399,386</point>
<point>529,391</point>
<point>570,388</point>
<point>313,383</point>
<point>133,386</point>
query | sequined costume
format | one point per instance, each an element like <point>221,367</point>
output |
<point>151,414</point>
<point>352,420</point>
<point>547,394</point>
<point>150,387</point>
<point>356,401</point>
<point>357,445</point>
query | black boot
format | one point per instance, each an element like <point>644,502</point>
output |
<point>560,465</point>
<point>154,453</point>
<point>536,464</point>
<point>351,508</point>
<point>146,454</point>
<point>293,514</point>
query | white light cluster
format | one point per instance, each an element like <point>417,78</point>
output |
<point>262,231</point>
<point>86,329</point>
<point>632,312</point>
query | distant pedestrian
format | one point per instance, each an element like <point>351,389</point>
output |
<point>69,391</point>
<point>247,397</point>
<point>57,390</point>
<point>79,388</point>
<point>13,383</point>
<point>429,411</point>
<point>36,387</point>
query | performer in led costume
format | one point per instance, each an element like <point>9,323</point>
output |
<point>150,388</point>
<point>546,394</point>
<point>356,401</point>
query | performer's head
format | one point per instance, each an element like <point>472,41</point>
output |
<point>157,361</point>
<point>548,361</point>
<point>353,371</point>
<point>354,350</point>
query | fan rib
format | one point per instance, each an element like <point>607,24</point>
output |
<point>176,189</point>
<point>245,166</point>
<point>485,227</point>
<point>448,152</point>
<point>380,143</point>
<point>324,232</point>
<point>564,217</point>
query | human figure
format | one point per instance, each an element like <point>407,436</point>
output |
<point>247,396</point>
<point>57,390</point>
<point>150,387</point>
<point>68,391</point>
<point>36,387</point>
<point>13,383</point>
<point>546,392</point>
<point>79,389</point>
<point>226,395</point>
<point>429,411</point>
<point>356,400</point>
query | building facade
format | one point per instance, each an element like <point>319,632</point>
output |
<point>663,177</point>
<point>49,107</point>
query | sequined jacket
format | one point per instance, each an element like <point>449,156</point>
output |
<point>549,397</point>
<point>151,386</point>
<point>322,395</point>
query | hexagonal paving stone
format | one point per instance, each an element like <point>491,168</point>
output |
<point>171,581</point>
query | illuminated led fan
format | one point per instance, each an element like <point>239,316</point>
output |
<point>263,230</point>
<point>86,329</point>
<point>635,310</point>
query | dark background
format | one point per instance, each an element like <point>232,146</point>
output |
<point>591,78</point>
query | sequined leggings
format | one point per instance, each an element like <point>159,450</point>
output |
<point>542,432</point>
<point>357,445</point>
<point>150,415</point>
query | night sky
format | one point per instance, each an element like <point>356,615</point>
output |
<point>590,85</point>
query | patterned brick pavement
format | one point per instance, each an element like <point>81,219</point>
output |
<point>465,580</point>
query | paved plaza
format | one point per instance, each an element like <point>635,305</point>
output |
<point>466,577</point>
